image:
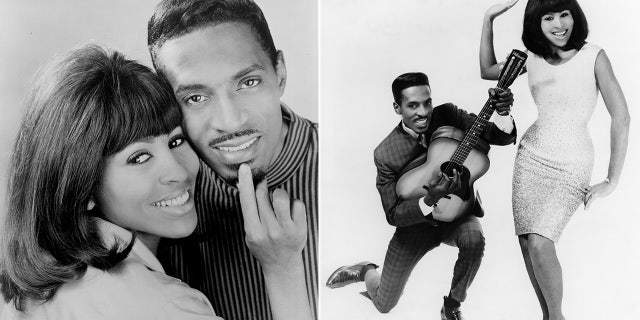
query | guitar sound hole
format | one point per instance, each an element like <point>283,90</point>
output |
<point>465,176</point>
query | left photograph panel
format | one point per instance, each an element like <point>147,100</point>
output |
<point>159,159</point>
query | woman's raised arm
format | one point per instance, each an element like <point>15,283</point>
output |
<point>489,67</point>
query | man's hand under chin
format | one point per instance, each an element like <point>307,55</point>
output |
<point>276,230</point>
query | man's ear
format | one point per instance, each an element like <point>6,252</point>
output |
<point>281,71</point>
<point>396,108</point>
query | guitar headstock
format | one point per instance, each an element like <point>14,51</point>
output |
<point>511,68</point>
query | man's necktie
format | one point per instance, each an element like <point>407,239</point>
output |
<point>422,140</point>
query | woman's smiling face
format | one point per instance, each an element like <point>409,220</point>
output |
<point>148,187</point>
<point>557,27</point>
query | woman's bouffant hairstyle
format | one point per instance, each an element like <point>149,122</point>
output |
<point>532,35</point>
<point>84,107</point>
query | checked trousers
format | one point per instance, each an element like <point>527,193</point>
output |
<point>409,245</point>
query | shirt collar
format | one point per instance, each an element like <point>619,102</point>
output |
<point>294,149</point>
<point>409,130</point>
<point>112,234</point>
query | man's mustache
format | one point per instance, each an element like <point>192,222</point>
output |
<point>232,135</point>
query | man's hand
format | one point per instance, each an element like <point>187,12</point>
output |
<point>276,231</point>
<point>501,100</point>
<point>443,185</point>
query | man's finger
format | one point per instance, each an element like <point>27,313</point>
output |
<point>282,206</point>
<point>248,198</point>
<point>299,214</point>
<point>447,182</point>
<point>264,204</point>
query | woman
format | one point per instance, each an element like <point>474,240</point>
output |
<point>100,172</point>
<point>555,158</point>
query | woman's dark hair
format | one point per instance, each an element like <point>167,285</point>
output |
<point>84,107</point>
<point>532,35</point>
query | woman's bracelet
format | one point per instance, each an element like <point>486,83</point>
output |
<point>607,180</point>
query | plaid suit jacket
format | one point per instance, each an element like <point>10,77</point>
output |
<point>398,149</point>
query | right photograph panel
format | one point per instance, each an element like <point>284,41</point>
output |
<point>478,159</point>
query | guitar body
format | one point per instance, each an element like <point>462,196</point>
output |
<point>444,143</point>
<point>451,148</point>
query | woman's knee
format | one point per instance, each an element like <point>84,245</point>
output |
<point>539,245</point>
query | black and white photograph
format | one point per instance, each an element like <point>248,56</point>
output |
<point>159,159</point>
<point>319,159</point>
<point>536,252</point>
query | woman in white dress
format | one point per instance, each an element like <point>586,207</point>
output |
<point>553,165</point>
<point>99,173</point>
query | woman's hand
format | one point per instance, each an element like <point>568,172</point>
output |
<point>599,190</point>
<point>276,230</point>
<point>499,9</point>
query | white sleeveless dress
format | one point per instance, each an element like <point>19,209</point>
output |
<point>555,155</point>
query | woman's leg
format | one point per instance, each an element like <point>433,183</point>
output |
<point>536,287</point>
<point>548,273</point>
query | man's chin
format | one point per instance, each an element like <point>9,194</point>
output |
<point>231,174</point>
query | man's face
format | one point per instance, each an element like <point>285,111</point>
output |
<point>229,93</point>
<point>415,108</point>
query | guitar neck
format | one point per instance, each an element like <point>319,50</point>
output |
<point>472,136</point>
<point>510,71</point>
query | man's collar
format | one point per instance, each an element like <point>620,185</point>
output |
<point>294,149</point>
<point>409,130</point>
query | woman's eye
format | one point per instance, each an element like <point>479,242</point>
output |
<point>249,83</point>
<point>176,141</point>
<point>139,158</point>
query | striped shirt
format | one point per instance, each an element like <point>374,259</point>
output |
<point>215,258</point>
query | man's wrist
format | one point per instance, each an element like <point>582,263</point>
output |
<point>430,201</point>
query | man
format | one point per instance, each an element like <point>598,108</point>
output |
<point>417,232</point>
<point>228,77</point>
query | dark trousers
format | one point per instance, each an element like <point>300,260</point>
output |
<point>410,244</point>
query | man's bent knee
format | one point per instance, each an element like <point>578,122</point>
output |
<point>472,240</point>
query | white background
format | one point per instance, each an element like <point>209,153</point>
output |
<point>364,45</point>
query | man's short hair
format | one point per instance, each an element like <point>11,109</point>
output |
<point>407,80</point>
<point>174,18</point>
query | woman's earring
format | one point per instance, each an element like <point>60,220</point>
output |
<point>90,205</point>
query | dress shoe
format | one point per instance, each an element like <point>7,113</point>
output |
<point>349,274</point>
<point>450,313</point>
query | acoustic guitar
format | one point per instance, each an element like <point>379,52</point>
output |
<point>451,148</point>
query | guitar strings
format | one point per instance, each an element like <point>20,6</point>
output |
<point>509,74</point>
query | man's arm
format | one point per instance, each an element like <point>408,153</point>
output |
<point>399,213</point>
<point>503,134</point>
